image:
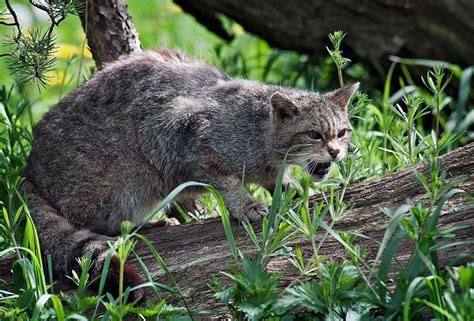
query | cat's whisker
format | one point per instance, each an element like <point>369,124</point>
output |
<point>299,159</point>
<point>302,161</point>
<point>302,158</point>
<point>312,166</point>
<point>291,154</point>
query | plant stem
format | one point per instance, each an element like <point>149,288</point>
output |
<point>409,142</point>
<point>339,74</point>
<point>437,123</point>
<point>316,256</point>
<point>122,264</point>
<point>385,143</point>
<point>18,253</point>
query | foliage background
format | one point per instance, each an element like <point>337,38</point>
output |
<point>163,23</point>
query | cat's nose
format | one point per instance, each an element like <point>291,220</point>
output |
<point>333,152</point>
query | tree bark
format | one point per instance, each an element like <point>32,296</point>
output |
<point>109,29</point>
<point>431,29</point>
<point>197,252</point>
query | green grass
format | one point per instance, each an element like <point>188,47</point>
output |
<point>392,129</point>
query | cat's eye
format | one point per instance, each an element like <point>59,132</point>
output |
<point>341,133</point>
<point>315,135</point>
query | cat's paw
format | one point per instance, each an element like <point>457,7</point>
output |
<point>255,211</point>
<point>167,221</point>
<point>171,221</point>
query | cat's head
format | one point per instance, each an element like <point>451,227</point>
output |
<point>315,128</point>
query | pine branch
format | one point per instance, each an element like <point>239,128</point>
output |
<point>32,56</point>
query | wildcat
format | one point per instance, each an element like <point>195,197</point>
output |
<point>118,144</point>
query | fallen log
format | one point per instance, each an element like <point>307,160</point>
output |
<point>196,252</point>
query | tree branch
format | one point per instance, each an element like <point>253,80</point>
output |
<point>109,29</point>
<point>15,18</point>
<point>7,23</point>
<point>414,28</point>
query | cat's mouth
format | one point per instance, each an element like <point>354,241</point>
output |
<point>319,170</point>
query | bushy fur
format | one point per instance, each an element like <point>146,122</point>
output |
<point>137,129</point>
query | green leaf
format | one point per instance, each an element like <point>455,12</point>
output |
<point>225,217</point>
<point>391,229</point>
<point>387,85</point>
<point>58,307</point>
<point>414,286</point>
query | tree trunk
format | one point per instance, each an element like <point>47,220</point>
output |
<point>196,252</point>
<point>430,29</point>
<point>109,29</point>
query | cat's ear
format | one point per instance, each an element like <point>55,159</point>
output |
<point>342,96</point>
<point>283,107</point>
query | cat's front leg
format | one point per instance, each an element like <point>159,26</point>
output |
<point>240,203</point>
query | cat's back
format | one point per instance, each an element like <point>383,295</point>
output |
<point>111,101</point>
<point>142,79</point>
<point>94,128</point>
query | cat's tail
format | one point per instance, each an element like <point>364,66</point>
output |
<point>65,244</point>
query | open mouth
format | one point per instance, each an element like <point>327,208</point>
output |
<point>319,169</point>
